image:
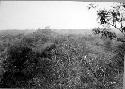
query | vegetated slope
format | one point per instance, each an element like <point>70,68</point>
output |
<point>66,61</point>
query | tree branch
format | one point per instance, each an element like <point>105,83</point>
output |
<point>116,28</point>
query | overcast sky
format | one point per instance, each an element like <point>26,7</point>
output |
<point>56,14</point>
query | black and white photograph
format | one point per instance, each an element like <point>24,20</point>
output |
<point>62,45</point>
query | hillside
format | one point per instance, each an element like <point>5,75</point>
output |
<point>50,59</point>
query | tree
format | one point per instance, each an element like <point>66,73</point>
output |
<point>112,18</point>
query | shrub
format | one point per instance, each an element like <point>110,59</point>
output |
<point>20,66</point>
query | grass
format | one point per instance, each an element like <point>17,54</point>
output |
<point>76,62</point>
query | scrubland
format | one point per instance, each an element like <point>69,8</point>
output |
<point>48,60</point>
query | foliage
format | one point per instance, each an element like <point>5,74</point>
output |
<point>113,17</point>
<point>62,61</point>
<point>19,66</point>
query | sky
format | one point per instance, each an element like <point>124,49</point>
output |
<point>55,14</point>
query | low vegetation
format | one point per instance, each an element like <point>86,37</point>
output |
<point>48,60</point>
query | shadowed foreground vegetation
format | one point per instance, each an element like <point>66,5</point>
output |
<point>48,60</point>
